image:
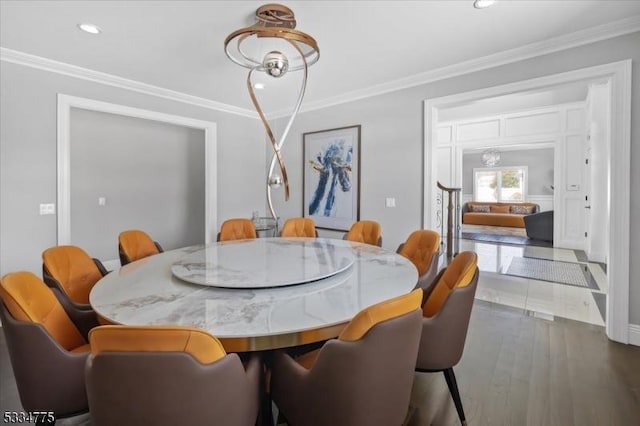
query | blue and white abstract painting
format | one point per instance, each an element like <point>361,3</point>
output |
<point>331,177</point>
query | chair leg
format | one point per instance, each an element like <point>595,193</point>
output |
<point>455,394</point>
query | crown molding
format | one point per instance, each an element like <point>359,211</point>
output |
<point>38,62</point>
<point>567,41</point>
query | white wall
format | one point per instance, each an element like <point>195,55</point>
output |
<point>28,156</point>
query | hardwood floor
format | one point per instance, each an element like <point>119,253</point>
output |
<point>521,370</point>
<point>516,370</point>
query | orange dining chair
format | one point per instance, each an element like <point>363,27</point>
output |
<point>168,375</point>
<point>46,349</point>
<point>363,377</point>
<point>299,227</point>
<point>72,273</point>
<point>365,231</point>
<point>135,245</point>
<point>422,248</point>
<point>446,313</point>
<point>237,229</point>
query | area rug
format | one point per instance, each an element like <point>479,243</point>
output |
<point>575,274</point>
<point>505,239</point>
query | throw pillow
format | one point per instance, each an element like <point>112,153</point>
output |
<point>522,209</point>
<point>479,209</point>
<point>500,209</point>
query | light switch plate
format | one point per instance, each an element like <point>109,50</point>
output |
<point>47,209</point>
<point>390,202</point>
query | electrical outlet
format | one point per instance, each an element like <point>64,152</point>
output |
<point>390,202</point>
<point>102,201</point>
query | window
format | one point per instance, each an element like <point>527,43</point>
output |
<point>500,184</point>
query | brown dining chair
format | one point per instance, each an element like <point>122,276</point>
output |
<point>237,229</point>
<point>163,375</point>
<point>365,231</point>
<point>446,314</point>
<point>47,351</point>
<point>299,227</point>
<point>135,245</point>
<point>72,273</point>
<point>422,248</point>
<point>360,378</point>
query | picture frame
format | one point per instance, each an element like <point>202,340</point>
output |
<point>331,177</point>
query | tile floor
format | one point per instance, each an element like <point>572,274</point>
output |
<point>541,299</point>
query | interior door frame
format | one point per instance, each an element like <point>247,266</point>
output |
<point>66,102</point>
<point>619,76</point>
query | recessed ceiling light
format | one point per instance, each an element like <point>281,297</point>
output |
<point>89,28</point>
<point>482,4</point>
<point>258,86</point>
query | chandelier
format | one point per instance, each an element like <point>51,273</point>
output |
<point>490,157</point>
<point>274,23</point>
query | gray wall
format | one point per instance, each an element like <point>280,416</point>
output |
<point>392,140</point>
<point>538,161</point>
<point>28,156</point>
<point>151,174</point>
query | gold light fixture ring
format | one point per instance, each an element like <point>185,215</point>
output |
<point>274,21</point>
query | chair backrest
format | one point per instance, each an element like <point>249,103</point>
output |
<point>201,345</point>
<point>376,351</point>
<point>134,245</point>
<point>446,314</point>
<point>365,231</point>
<point>47,353</point>
<point>237,229</point>
<point>368,318</point>
<point>73,270</point>
<point>420,248</point>
<point>299,227</point>
<point>459,273</point>
<point>194,380</point>
<point>28,298</point>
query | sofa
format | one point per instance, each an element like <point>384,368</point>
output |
<point>497,214</point>
<point>539,226</point>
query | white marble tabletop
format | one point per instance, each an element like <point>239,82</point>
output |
<point>146,292</point>
<point>264,262</point>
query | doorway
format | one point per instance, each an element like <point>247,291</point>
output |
<point>618,75</point>
<point>521,173</point>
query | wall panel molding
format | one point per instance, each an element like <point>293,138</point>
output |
<point>65,103</point>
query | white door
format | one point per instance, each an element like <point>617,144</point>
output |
<point>587,198</point>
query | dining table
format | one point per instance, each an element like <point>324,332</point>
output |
<point>255,294</point>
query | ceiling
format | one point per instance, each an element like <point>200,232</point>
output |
<point>560,94</point>
<point>178,45</point>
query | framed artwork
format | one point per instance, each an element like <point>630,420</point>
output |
<point>332,177</point>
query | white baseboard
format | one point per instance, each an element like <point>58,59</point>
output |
<point>634,334</point>
<point>568,244</point>
<point>597,256</point>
